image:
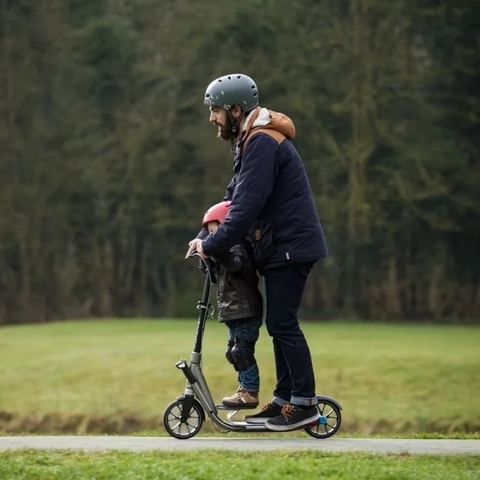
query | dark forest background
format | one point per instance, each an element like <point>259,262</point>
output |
<point>108,162</point>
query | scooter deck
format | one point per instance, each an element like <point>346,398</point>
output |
<point>242,426</point>
<point>237,407</point>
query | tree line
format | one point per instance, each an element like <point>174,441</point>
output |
<point>107,160</point>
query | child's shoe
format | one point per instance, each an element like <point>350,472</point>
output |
<point>241,398</point>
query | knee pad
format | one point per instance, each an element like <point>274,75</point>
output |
<point>243,354</point>
<point>229,356</point>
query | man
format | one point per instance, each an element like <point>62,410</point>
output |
<point>272,202</point>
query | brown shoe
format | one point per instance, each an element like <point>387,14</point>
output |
<point>241,397</point>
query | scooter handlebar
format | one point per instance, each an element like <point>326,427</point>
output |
<point>207,266</point>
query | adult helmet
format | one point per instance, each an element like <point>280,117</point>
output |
<point>230,90</point>
<point>216,213</point>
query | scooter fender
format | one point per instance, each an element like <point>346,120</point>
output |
<point>325,398</point>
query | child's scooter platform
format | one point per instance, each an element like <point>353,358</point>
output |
<point>183,418</point>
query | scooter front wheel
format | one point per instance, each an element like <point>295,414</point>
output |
<point>329,421</point>
<point>180,425</point>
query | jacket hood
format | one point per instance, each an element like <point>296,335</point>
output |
<point>268,119</point>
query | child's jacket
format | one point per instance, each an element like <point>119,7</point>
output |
<point>238,294</point>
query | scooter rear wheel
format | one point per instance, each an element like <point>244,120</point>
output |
<point>329,421</point>
<point>183,429</point>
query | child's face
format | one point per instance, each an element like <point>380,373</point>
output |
<point>212,226</point>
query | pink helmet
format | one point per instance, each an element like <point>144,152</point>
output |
<point>216,213</point>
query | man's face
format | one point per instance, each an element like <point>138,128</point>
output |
<point>220,118</point>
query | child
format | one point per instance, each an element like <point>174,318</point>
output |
<point>240,307</point>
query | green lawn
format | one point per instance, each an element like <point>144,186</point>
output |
<point>118,376</point>
<point>212,465</point>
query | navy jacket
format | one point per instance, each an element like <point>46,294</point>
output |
<point>271,198</point>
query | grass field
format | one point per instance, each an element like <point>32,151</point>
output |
<point>118,376</point>
<point>221,465</point>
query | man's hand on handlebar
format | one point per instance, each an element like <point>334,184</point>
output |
<point>195,245</point>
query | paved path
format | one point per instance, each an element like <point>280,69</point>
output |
<point>138,444</point>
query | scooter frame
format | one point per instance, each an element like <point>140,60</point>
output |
<point>184,417</point>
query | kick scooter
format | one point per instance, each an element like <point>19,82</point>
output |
<point>183,418</point>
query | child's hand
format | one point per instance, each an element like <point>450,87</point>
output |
<point>200,251</point>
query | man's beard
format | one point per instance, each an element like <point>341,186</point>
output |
<point>226,133</point>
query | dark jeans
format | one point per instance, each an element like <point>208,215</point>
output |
<point>246,329</point>
<point>284,288</point>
